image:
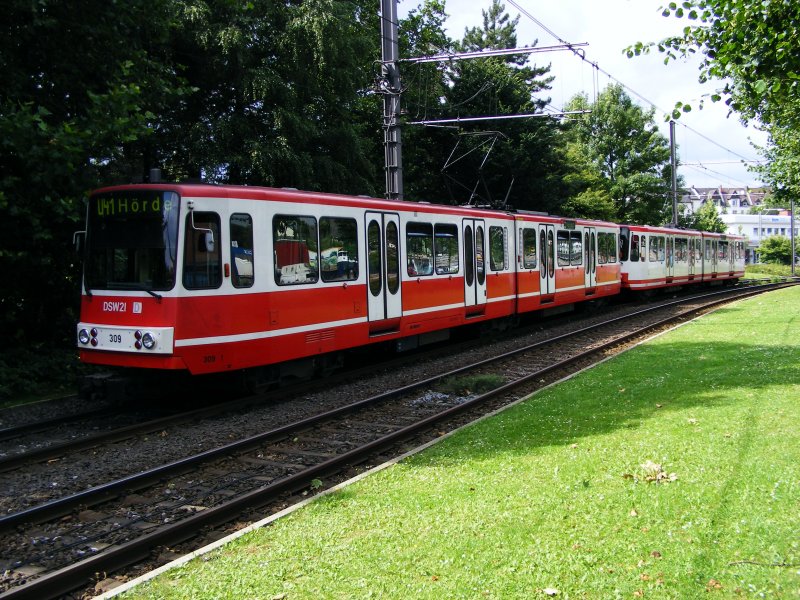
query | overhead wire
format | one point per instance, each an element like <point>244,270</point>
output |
<point>580,54</point>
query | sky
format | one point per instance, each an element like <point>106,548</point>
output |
<point>710,144</point>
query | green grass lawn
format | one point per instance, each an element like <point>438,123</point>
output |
<point>672,471</point>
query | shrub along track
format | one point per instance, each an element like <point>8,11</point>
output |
<point>62,545</point>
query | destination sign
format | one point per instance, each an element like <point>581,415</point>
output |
<point>131,205</point>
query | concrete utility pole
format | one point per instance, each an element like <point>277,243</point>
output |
<point>791,234</point>
<point>674,173</point>
<point>390,88</point>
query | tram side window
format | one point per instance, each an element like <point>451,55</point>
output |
<point>653,256</point>
<point>634,248</point>
<point>563,248</point>
<point>528,241</point>
<point>680,250</point>
<point>643,249</point>
<point>498,257</point>
<point>446,249</point>
<point>202,252</point>
<point>242,258</point>
<point>338,242</point>
<point>624,246</point>
<point>295,249</point>
<point>607,248</point>
<point>722,250</point>
<point>576,248</point>
<point>708,249</point>
<point>419,247</point>
<point>613,248</point>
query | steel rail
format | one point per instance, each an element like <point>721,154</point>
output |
<point>104,492</point>
<point>9,433</point>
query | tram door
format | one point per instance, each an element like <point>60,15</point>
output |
<point>474,262</point>
<point>670,256</point>
<point>590,257</point>
<point>547,262</point>
<point>691,255</point>
<point>710,256</point>
<point>383,266</point>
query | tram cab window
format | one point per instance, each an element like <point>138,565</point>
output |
<point>242,257</point>
<point>338,249</point>
<point>295,249</point>
<point>202,251</point>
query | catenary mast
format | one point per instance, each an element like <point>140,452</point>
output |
<point>390,88</point>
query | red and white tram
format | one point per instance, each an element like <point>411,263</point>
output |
<point>657,257</point>
<point>218,278</point>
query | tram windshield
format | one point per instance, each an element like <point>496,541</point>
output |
<point>132,240</point>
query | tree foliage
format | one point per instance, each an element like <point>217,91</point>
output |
<point>705,219</point>
<point>751,49</point>
<point>776,249</point>
<point>627,160</point>
<point>277,94</point>
<point>503,163</point>
<point>79,83</point>
<point>100,92</point>
<point>281,94</point>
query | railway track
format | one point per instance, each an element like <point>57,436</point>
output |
<point>67,541</point>
<point>50,437</point>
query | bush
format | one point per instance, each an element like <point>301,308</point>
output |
<point>764,269</point>
<point>38,371</point>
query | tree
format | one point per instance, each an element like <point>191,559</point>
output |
<point>776,249</point>
<point>80,82</point>
<point>522,166</point>
<point>781,169</point>
<point>277,95</point>
<point>705,219</point>
<point>587,191</point>
<point>422,34</point>
<point>624,147</point>
<point>750,48</point>
<point>95,93</point>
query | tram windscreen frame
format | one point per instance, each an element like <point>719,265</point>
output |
<point>132,240</point>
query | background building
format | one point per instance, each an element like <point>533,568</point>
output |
<point>734,206</point>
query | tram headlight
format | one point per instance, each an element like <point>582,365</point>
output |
<point>148,340</point>
<point>84,337</point>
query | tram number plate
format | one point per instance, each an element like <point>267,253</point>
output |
<point>115,338</point>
